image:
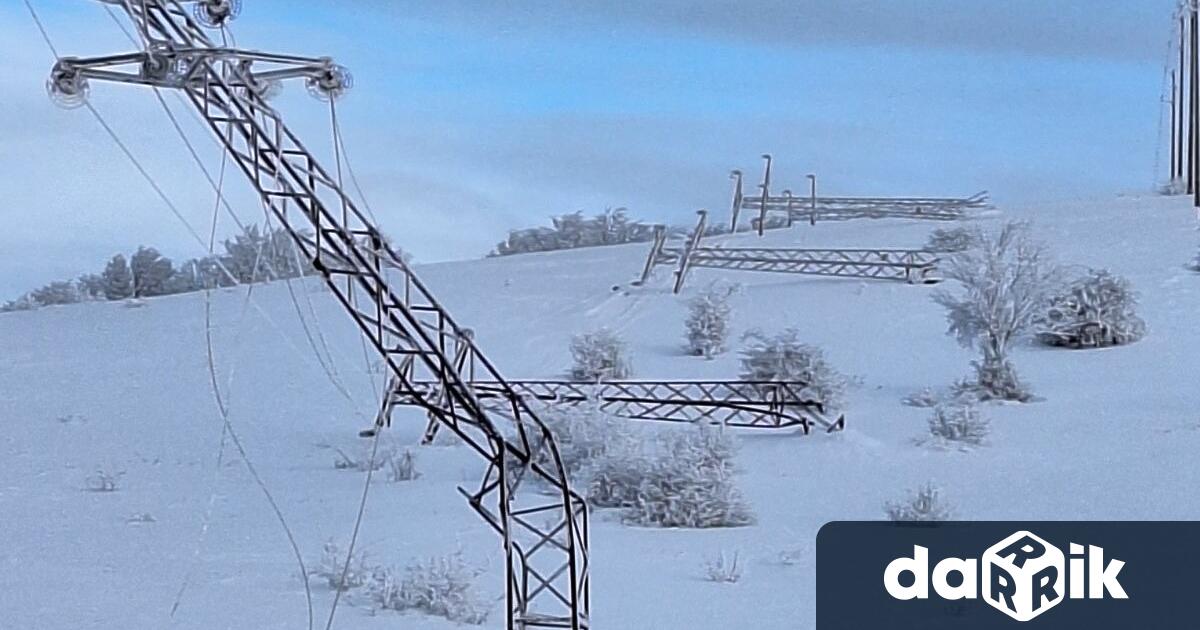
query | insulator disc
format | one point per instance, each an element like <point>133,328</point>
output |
<point>332,84</point>
<point>68,91</point>
<point>216,13</point>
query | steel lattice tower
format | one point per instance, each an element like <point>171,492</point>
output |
<point>545,535</point>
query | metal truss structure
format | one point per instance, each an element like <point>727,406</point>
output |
<point>544,531</point>
<point>816,208</point>
<point>740,404</point>
<point>913,266</point>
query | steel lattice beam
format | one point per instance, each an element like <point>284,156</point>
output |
<point>547,582</point>
<point>913,266</point>
<point>741,404</point>
<point>826,208</point>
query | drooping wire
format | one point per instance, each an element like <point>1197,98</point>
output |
<point>258,480</point>
<point>362,504</point>
<point>212,496</point>
<point>228,427</point>
<point>42,29</point>
<point>338,151</point>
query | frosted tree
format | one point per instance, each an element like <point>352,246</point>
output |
<point>1004,282</point>
<point>118,281</point>
<point>91,286</point>
<point>1097,309</point>
<point>708,321</point>
<point>783,357</point>
<point>599,356</point>
<point>951,240</point>
<point>151,271</point>
<point>55,293</point>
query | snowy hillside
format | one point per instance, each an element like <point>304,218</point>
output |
<point>126,389</point>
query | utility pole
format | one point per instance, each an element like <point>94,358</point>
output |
<point>1172,168</point>
<point>1179,100</point>
<point>1194,109</point>
<point>812,181</point>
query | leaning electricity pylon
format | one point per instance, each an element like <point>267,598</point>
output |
<point>545,530</point>
<point>914,266</point>
<point>738,404</point>
<point>815,208</point>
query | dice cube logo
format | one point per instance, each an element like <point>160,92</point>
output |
<point>1023,576</point>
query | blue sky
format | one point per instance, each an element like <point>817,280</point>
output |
<point>469,118</point>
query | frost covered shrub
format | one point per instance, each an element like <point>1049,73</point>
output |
<point>599,356</point>
<point>723,568</point>
<point>955,422</point>
<point>784,358</point>
<point>923,505</point>
<point>363,462</point>
<point>1096,310</point>
<point>1004,281</point>
<point>688,482</point>
<point>708,321</point>
<point>584,436</point>
<point>104,480</point>
<point>402,467</point>
<point>334,571</point>
<point>925,398</point>
<point>951,240</point>
<point>444,587</point>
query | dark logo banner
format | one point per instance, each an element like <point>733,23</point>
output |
<point>1008,575</point>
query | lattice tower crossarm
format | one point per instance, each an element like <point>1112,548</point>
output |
<point>914,266</point>
<point>739,404</point>
<point>545,536</point>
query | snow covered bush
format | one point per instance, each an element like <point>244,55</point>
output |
<point>104,480</point>
<point>599,356</point>
<point>958,422</point>
<point>951,240</point>
<point>923,505</point>
<point>402,466</point>
<point>1005,280</point>
<point>708,321</point>
<point>336,573</point>
<point>584,435</point>
<point>689,483</point>
<point>925,398</point>
<point>723,568</point>
<point>1096,310</point>
<point>444,587</point>
<point>783,357</point>
<point>362,462</point>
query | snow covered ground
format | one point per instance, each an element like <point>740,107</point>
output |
<point>126,390</point>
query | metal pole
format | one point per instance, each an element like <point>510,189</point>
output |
<point>766,185</point>
<point>1172,125</point>
<point>1194,118</point>
<point>1180,100</point>
<point>812,181</point>
<point>788,194</point>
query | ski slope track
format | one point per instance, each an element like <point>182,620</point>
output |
<point>1114,434</point>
